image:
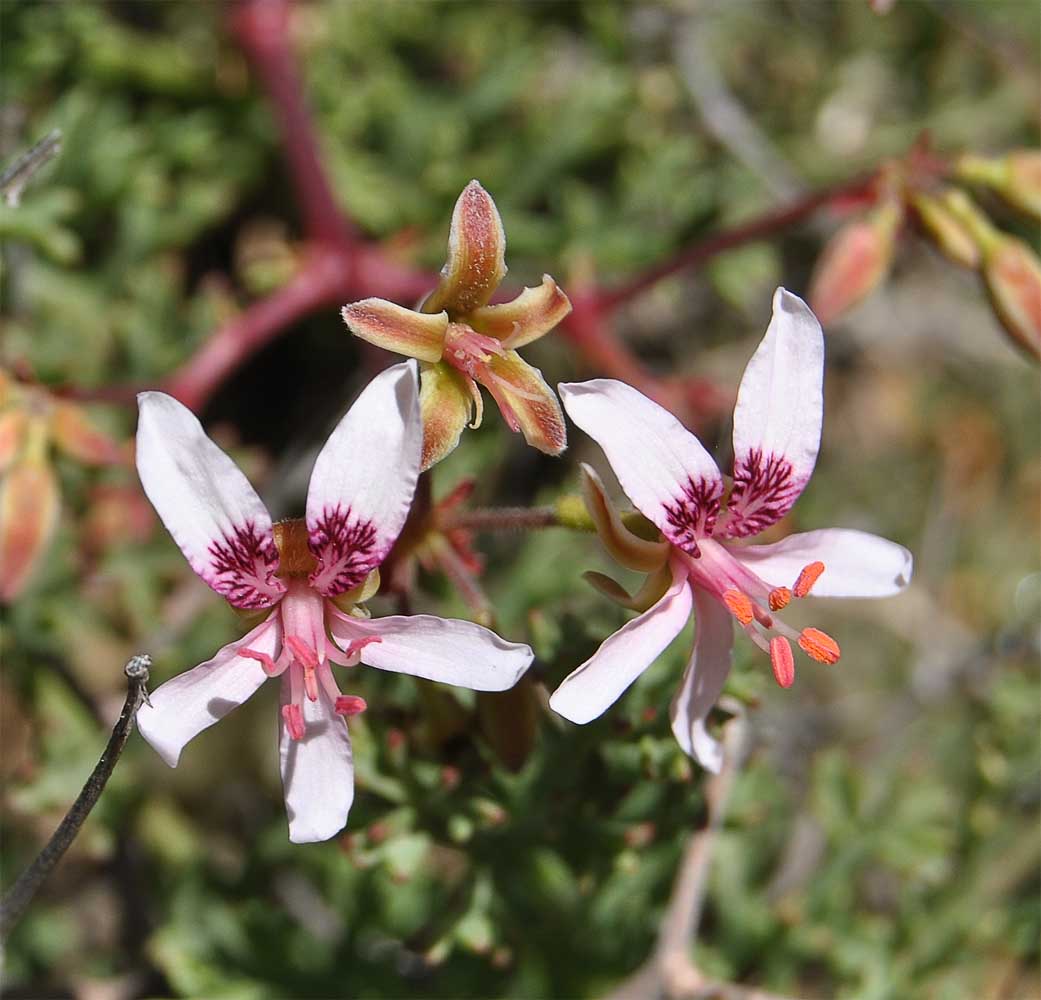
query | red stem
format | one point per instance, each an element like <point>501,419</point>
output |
<point>262,28</point>
<point>745,232</point>
<point>319,283</point>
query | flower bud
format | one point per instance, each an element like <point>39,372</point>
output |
<point>855,261</point>
<point>29,502</point>
<point>949,236</point>
<point>1016,177</point>
<point>1011,271</point>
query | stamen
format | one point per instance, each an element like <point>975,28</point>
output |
<point>739,605</point>
<point>762,617</point>
<point>357,645</point>
<point>782,661</point>
<point>271,668</point>
<point>779,598</point>
<point>349,704</point>
<point>302,653</point>
<point>294,719</point>
<point>808,576</point>
<point>813,642</point>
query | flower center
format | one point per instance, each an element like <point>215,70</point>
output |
<point>754,605</point>
<point>308,653</point>
<point>470,351</point>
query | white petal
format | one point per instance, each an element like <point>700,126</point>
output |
<point>661,466</point>
<point>363,480</point>
<point>317,771</point>
<point>590,690</point>
<point>856,564</point>
<point>206,503</point>
<point>193,701</point>
<point>777,419</point>
<point>438,649</point>
<point>703,681</point>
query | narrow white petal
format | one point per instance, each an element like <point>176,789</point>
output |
<point>703,681</point>
<point>206,503</point>
<point>438,649</point>
<point>661,466</point>
<point>856,564</point>
<point>777,419</point>
<point>590,690</point>
<point>363,480</point>
<point>317,771</point>
<point>193,701</point>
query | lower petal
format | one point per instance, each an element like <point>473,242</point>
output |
<point>193,701</point>
<point>856,564</point>
<point>703,681</point>
<point>445,402</point>
<point>526,402</point>
<point>438,649</point>
<point>317,770</point>
<point>596,685</point>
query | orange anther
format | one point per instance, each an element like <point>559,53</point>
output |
<point>779,598</point>
<point>739,605</point>
<point>807,578</point>
<point>782,661</point>
<point>813,642</point>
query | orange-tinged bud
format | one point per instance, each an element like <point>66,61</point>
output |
<point>782,661</point>
<point>12,432</point>
<point>29,504</point>
<point>950,237</point>
<point>819,645</point>
<point>855,261</point>
<point>476,255</point>
<point>808,576</point>
<point>526,402</point>
<point>446,400</point>
<point>1013,275</point>
<point>739,605</point>
<point>1011,270</point>
<point>1016,177</point>
<point>395,328</point>
<point>526,318</point>
<point>74,433</point>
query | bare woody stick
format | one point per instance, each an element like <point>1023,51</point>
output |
<point>14,177</point>
<point>20,895</point>
<point>670,972</point>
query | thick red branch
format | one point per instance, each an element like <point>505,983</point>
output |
<point>321,282</point>
<point>262,28</point>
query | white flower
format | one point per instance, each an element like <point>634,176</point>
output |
<point>359,496</point>
<point>675,483</point>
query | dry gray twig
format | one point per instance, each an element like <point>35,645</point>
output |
<point>17,899</point>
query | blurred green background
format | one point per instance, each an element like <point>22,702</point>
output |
<point>883,840</point>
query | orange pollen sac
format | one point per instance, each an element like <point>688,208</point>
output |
<point>813,642</point>
<point>779,598</point>
<point>808,576</point>
<point>782,660</point>
<point>739,605</point>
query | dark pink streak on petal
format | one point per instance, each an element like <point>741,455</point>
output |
<point>346,550</point>
<point>693,515</point>
<point>764,491</point>
<point>242,568</point>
